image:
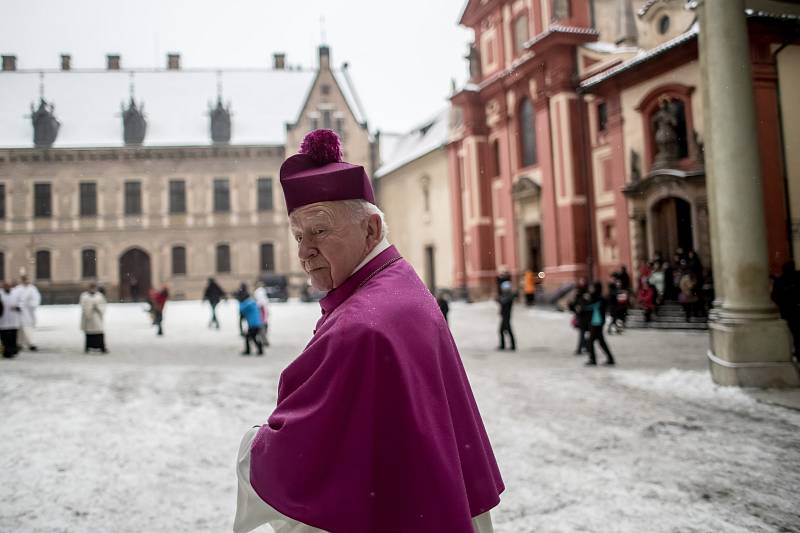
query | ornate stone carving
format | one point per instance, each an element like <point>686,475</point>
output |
<point>45,125</point>
<point>636,166</point>
<point>134,125</point>
<point>665,124</point>
<point>474,58</point>
<point>220,122</point>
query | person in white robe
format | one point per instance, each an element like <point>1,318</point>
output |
<point>93,308</point>
<point>29,299</point>
<point>9,320</point>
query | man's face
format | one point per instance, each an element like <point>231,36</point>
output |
<point>330,243</point>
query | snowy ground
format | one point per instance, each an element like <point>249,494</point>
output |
<point>144,439</point>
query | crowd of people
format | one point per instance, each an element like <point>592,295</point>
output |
<point>18,303</point>
<point>681,279</point>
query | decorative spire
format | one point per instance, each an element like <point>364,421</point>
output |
<point>134,124</point>
<point>220,117</point>
<point>45,123</point>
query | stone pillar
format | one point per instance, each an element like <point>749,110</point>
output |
<point>750,344</point>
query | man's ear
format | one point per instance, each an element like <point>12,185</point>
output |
<point>374,227</point>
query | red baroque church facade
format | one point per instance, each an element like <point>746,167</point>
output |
<point>554,156</point>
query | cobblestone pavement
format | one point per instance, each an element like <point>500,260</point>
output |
<point>144,439</point>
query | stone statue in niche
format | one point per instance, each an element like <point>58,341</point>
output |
<point>474,58</point>
<point>45,125</point>
<point>636,166</point>
<point>134,125</point>
<point>220,123</point>
<point>559,10</point>
<point>665,128</point>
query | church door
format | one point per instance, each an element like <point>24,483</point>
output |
<point>672,226</point>
<point>134,275</point>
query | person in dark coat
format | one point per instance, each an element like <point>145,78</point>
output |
<point>581,317</point>
<point>506,301</point>
<point>213,294</point>
<point>158,300</point>
<point>786,295</point>
<point>624,278</point>
<point>444,306</point>
<point>598,306</point>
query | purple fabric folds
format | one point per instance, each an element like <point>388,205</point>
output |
<point>376,429</point>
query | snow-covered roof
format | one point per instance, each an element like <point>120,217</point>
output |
<point>642,57</point>
<point>349,91</point>
<point>176,102</point>
<point>421,140</point>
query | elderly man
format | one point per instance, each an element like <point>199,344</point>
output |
<point>375,429</point>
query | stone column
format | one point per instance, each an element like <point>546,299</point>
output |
<point>750,344</point>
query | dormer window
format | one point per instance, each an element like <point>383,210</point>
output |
<point>663,24</point>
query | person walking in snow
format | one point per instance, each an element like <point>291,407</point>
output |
<point>248,308</point>
<point>158,300</point>
<point>93,309</point>
<point>29,299</point>
<point>10,320</point>
<point>506,301</point>
<point>597,307</point>
<point>213,294</point>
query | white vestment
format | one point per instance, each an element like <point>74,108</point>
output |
<point>10,318</point>
<point>252,511</point>
<point>93,306</point>
<point>29,299</point>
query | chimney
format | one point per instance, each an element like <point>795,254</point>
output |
<point>173,61</point>
<point>279,61</point>
<point>66,62</point>
<point>112,62</point>
<point>9,63</point>
<point>324,57</point>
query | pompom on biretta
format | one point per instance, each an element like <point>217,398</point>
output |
<point>322,146</point>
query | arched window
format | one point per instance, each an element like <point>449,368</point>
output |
<point>178,261</point>
<point>520,33</point>
<point>88,263</point>
<point>527,133</point>
<point>42,265</point>
<point>223,259</point>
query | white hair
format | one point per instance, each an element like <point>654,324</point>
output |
<point>361,209</point>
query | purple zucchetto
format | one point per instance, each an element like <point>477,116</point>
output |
<point>318,174</point>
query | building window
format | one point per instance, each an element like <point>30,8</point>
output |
<point>42,200</point>
<point>327,117</point>
<point>223,259</point>
<point>133,197</point>
<point>88,199</point>
<point>89,263</point>
<point>527,130</point>
<point>2,265</point>
<point>340,127</point>
<point>495,158</point>
<point>177,196</point>
<point>313,122</point>
<point>2,203</point>
<point>178,261</point>
<point>42,265</point>
<point>663,24</point>
<point>222,195</point>
<point>520,34</point>
<point>325,89</point>
<point>602,117</point>
<point>264,192</point>
<point>267,263</point>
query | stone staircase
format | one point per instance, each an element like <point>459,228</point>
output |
<point>670,316</point>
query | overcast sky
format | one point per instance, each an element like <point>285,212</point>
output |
<point>402,54</point>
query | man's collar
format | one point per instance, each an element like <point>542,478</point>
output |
<point>381,246</point>
<point>369,267</point>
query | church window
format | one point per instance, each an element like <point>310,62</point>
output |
<point>42,265</point>
<point>602,117</point>
<point>527,133</point>
<point>264,194</point>
<point>178,260</point>
<point>88,198</point>
<point>223,259</point>
<point>89,263</point>
<point>663,24</point>
<point>267,257</point>
<point>133,197</point>
<point>222,195</point>
<point>177,196</point>
<point>42,200</point>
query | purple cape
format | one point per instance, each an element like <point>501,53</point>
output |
<point>376,429</point>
